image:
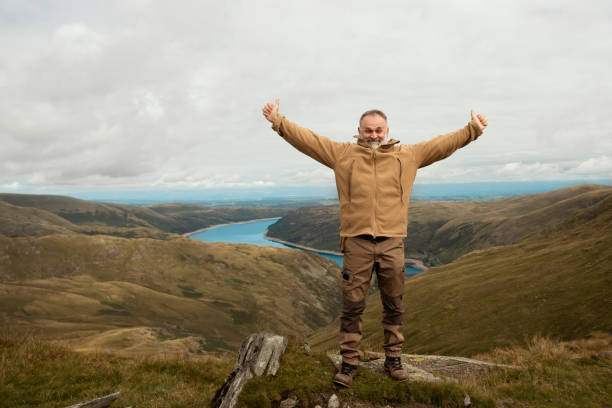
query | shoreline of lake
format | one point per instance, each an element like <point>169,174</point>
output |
<point>298,246</point>
<point>414,263</point>
<point>188,234</point>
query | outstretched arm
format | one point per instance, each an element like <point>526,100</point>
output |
<point>320,148</point>
<point>443,146</point>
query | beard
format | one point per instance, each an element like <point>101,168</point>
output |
<point>374,145</point>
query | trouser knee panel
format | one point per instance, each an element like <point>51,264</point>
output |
<point>351,316</point>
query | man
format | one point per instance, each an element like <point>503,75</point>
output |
<point>374,179</point>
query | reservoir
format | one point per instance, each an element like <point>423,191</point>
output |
<point>252,232</point>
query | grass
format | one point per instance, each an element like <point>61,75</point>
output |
<point>34,373</point>
<point>308,378</point>
<point>556,374</point>
<point>551,374</point>
<point>190,291</point>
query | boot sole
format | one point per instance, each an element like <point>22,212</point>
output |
<point>342,384</point>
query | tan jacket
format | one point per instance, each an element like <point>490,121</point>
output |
<point>374,186</point>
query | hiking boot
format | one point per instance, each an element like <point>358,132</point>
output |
<point>344,377</point>
<point>393,366</point>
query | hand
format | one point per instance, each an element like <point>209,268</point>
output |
<point>270,111</point>
<point>481,120</point>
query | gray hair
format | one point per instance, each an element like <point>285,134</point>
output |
<point>372,112</point>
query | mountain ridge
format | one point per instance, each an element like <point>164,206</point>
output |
<point>439,232</point>
<point>51,214</point>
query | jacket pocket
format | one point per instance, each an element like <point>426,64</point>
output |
<point>401,185</point>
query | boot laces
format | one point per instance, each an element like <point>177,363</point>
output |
<point>347,369</point>
<point>395,363</point>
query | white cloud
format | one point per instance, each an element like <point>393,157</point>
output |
<point>598,166</point>
<point>15,185</point>
<point>146,93</point>
<point>76,42</point>
<point>148,106</point>
<point>316,177</point>
<point>529,171</point>
<point>263,183</point>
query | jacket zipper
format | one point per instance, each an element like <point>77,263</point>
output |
<point>350,182</point>
<point>374,196</point>
<point>400,180</point>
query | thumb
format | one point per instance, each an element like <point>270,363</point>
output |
<point>277,102</point>
<point>472,113</point>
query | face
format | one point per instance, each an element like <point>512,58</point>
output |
<point>373,130</point>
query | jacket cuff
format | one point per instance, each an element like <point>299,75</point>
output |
<point>474,130</point>
<point>277,122</point>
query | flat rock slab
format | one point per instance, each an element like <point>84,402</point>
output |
<point>428,368</point>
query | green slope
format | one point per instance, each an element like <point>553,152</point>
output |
<point>439,232</point>
<point>77,286</point>
<point>23,221</point>
<point>556,282</point>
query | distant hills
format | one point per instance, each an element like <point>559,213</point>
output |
<point>441,231</point>
<point>39,215</point>
<point>556,281</point>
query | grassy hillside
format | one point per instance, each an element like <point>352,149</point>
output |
<point>23,221</point>
<point>37,215</point>
<point>35,373</point>
<point>552,374</point>
<point>439,232</point>
<point>94,290</point>
<point>555,282</point>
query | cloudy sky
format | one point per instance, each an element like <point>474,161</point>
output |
<point>137,94</point>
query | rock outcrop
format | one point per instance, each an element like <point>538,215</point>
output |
<point>259,355</point>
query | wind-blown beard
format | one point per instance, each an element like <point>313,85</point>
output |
<point>374,145</point>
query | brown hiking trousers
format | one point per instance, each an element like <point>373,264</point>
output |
<point>362,256</point>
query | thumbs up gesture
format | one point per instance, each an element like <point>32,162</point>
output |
<point>481,120</point>
<point>270,111</point>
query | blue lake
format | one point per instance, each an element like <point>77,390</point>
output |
<point>252,232</point>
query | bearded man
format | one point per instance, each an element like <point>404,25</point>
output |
<point>374,179</point>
